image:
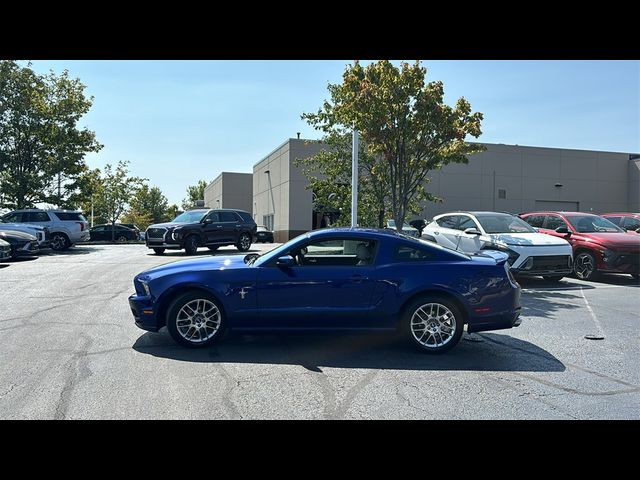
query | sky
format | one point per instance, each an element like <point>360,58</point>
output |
<point>181,121</point>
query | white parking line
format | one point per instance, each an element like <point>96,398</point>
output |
<point>599,329</point>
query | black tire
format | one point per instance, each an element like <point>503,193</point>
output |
<point>454,321</point>
<point>244,242</point>
<point>552,278</point>
<point>59,241</point>
<point>159,251</point>
<point>191,245</point>
<point>585,266</point>
<point>180,333</point>
<point>214,248</point>
<point>121,239</point>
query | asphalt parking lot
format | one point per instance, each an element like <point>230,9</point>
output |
<point>69,350</point>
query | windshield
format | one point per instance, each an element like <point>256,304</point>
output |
<point>503,223</point>
<point>190,217</point>
<point>592,224</point>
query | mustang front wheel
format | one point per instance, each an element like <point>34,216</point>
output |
<point>434,324</point>
<point>195,320</point>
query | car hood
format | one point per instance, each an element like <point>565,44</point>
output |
<point>626,239</point>
<point>16,235</point>
<point>167,225</point>
<point>20,225</point>
<point>527,239</point>
<point>226,262</point>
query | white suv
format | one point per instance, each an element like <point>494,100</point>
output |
<point>66,227</point>
<point>530,252</point>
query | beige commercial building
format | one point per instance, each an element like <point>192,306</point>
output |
<point>508,178</point>
<point>230,190</point>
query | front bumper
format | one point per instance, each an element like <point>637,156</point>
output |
<point>28,249</point>
<point>170,246</point>
<point>620,262</point>
<point>538,265</point>
<point>144,314</point>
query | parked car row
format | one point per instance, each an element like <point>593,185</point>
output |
<point>548,244</point>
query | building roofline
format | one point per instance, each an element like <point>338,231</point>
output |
<point>552,148</point>
<point>282,145</point>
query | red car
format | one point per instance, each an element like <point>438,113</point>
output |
<point>598,245</point>
<point>628,221</point>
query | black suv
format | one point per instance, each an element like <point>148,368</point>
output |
<point>203,228</point>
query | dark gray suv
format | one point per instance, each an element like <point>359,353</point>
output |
<point>203,228</point>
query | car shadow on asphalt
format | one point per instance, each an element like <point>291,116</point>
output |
<point>76,250</point>
<point>489,352</point>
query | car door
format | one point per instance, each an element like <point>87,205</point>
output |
<point>230,226</point>
<point>551,222</point>
<point>447,233</point>
<point>212,228</point>
<point>98,233</point>
<point>468,242</point>
<point>324,289</point>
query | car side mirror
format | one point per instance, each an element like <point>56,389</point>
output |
<point>207,221</point>
<point>472,231</point>
<point>563,229</point>
<point>285,261</point>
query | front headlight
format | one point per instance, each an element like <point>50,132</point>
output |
<point>145,287</point>
<point>607,253</point>
<point>513,256</point>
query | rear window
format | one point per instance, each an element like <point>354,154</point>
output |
<point>245,216</point>
<point>70,217</point>
<point>406,253</point>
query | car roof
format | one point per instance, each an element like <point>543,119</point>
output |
<point>46,210</point>
<point>465,212</point>
<point>356,231</point>
<point>559,212</point>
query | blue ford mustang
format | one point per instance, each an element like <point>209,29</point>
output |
<point>332,280</point>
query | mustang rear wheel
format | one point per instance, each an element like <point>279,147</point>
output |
<point>195,320</point>
<point>433,323</point>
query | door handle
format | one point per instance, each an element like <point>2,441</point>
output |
<point>219,226</point>
<point>357,278</point>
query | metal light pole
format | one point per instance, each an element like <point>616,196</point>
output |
<point>354,180</point>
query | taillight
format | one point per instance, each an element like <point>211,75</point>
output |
<point>81,225</point>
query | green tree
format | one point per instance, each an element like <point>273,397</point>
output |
<point>148,206</point>
<point>194,193</point>
<point>407,127</point>
<point>116,192</point>
<point>172,212</point>
<point>42,149</point>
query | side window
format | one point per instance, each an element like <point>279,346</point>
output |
<point>38,217</point>
<point>631,223</point>
<point>13,218</point>
<point>336,252</point>
<point>228,217</point>
<point>214,217</point>
<point>246,217</point>
<point>407,253</point>
<point>554,222</point>
<point>535,220</point>
<point>101,228</point>
<point>466,222</point>
<point>450,221</point>
<point>616,220</point>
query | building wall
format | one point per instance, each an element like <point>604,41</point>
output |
<point>232,189</point>
<point>213,192</point>
<point>634,185</point>
<point>590,181</point>
<point>594,181</point>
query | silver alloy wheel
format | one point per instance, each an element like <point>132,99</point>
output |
<point>245,241</point>
<point>198,321</point>
<point>583,265</point>
<point>121,239</point>
<point>58,241</point>
<point>433,325</point>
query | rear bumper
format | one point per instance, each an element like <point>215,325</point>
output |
<point>508,317</point>
<point>144,314</point>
